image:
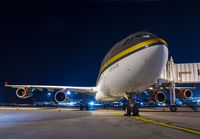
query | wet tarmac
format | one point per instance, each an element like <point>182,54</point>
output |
<point>51,123</point>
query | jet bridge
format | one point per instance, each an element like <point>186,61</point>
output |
<point>186,73</point>
<point>179,74</point>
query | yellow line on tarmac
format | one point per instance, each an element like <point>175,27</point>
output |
<point>159,123</point>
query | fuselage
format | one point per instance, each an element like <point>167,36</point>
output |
<point>131,66</point>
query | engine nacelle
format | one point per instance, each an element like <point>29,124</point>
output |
<point>61,97</point>
<point>23,93</point>
<point>159,97</point>
<point>186,93</point>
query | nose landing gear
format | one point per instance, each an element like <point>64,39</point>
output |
<point>84,104</point>
<point>132,105</point>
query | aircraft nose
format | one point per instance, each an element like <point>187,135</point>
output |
<point>159,56</point>
<point>162,52</point>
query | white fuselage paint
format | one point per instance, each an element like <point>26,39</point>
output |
<point>132,74</point>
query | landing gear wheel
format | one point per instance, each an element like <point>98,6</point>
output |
<point>173,108</point>
<point>136,110</point>
<point>127,111</point>
<point>124,107</point>
<point>106,105</point>
<point>87,107</point>
<point>81,107</point>
<point>196,109</point>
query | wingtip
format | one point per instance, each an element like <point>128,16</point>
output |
<point>6,83</point>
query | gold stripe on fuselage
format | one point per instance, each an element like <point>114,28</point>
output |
<point>131,49</point>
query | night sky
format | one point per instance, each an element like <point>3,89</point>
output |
<point>63,43</point>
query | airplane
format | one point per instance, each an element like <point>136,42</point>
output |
<point>130,67</point>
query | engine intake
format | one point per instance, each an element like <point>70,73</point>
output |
<point>61,97</point>
<point>159,97</point>
<point>186,93</point>
<point>23,93</point>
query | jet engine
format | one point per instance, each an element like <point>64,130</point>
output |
<point>186,93</point>
<point>61,97</point>
<point>23,93</point>
<point>159,97</point>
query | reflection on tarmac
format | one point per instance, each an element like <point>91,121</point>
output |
<point>71,123</point>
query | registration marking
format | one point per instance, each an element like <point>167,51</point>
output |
<point>113,67</point>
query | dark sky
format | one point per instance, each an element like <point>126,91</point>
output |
<point>63,43</point>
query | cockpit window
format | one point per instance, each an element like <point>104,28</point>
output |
<point>128,41</point>
<point>142,36</point>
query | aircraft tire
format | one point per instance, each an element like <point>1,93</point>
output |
<point>173,108</point>
<point>87,107</point>
<point>196,109</point>
<point>81,107</point>
<point>124,107</point>
<point>136,110</point>
<point>104,106</point>
<point>127,111</point>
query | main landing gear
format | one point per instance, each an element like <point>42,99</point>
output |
<point>132,106</point>
<point>84,104</point>
<point>105,105</point>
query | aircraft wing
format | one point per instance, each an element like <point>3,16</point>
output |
<point>85,90</point>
